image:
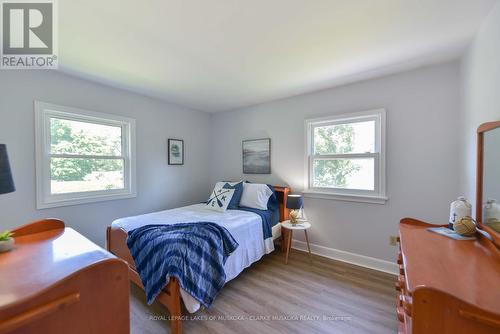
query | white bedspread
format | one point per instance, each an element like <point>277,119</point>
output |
<point>245,227</point>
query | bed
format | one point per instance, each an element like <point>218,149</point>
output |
<point>246,228</point>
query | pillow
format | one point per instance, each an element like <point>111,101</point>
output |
<point>220,198</point>
<point>238,191</point>
<point>255,196</point>
<point>273,204</point>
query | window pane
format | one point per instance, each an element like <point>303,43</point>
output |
<point>74,137</point>
<point>69,175</point>
<point>344,173</point>
<point>345,138</point>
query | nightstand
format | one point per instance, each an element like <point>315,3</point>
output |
<point>290,227</point>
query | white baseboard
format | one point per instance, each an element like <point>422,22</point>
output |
<point>352,258</point>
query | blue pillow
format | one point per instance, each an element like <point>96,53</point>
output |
<point>238,191</point>
<point>272,203</point>
<point>273,206</point>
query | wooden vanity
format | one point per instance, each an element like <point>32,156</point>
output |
<point>446,285</point>
<point>57,281</point>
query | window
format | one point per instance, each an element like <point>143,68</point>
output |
<point>82,156</point>
<point>346,157</point>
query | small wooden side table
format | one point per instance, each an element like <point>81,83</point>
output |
<point>291,227</point>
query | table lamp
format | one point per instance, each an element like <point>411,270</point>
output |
<point>6,186</point>
<point>6,182</point>
<point>295,203</point>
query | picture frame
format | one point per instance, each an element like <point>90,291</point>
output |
<point>256,156</point>
<point>175,152</point>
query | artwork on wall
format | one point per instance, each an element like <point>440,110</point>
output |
<point>176,152</point>
<point>257,156</point>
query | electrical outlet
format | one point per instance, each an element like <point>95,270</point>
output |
<point>393,240</point>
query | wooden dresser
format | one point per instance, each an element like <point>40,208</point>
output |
<point>57,281</point>
<point>445,285</point>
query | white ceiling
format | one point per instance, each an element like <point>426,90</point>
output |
<point>217,55</point>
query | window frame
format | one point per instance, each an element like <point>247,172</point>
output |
<point>44,198</point>
<point>378,195</point>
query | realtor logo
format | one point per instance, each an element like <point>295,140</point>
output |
<point>28,35</point>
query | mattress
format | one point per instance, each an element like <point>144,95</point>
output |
<point>244,226</point>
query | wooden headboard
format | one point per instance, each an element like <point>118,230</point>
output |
<point>282,193</point>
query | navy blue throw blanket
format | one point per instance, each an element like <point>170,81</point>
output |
<point>194,253</point>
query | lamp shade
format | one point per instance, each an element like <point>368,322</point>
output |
<point>6,182</point>
<point>294,202</point>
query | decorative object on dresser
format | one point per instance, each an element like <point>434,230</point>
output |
<point>57,281</point>
<point>459,209</point>
<point>289,227</point>
<point>466,226</point>
<point>176,152</point>
<point>446,286</point>
<point>6,241</point>
<point>491,214</point>
<point>295,203</point>
<point>257,156</point>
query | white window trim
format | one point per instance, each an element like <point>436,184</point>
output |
<point>379,195</point>
<point>44,199</point>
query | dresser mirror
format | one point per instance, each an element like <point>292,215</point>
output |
<point>488,179</point>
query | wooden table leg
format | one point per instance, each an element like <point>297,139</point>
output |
<point>284,239</point>
<point>289,245</point>
<point>308,247</point>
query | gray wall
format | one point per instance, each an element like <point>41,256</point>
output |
<point>481,95</point>
<point>422,153</point>
<point>159,186</point>
<point>422,107</point>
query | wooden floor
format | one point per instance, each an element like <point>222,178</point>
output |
<point>322,296</point>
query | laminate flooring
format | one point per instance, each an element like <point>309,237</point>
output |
<point>305,296</point>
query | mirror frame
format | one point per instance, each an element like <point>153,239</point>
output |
<point>485,127</point>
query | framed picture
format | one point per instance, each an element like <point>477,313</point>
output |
<point>257,156</point>
<point>176,152</point>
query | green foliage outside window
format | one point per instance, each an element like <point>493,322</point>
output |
<point>336,139</point>
<point>64,140</point>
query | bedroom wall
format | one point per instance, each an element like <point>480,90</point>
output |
<point>422,144</point>
<point>480,92</point>
<point>159,186</point>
